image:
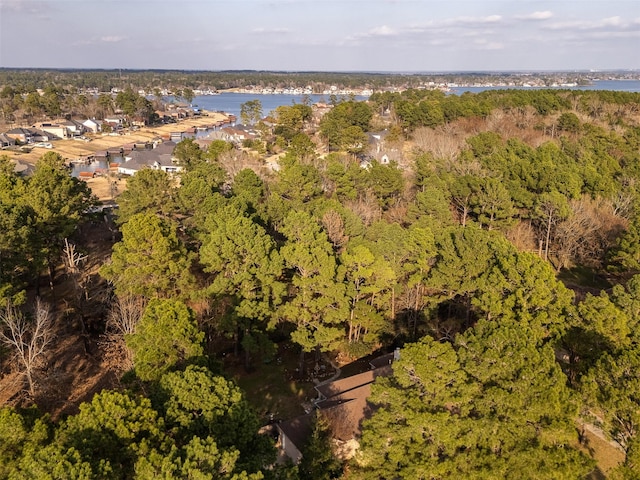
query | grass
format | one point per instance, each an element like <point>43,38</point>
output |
<point>271,388</point>
<point>607,456</point>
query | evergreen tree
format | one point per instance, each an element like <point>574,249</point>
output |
<point>166,337</point>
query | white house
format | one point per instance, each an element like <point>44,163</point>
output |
<point>93,125</point>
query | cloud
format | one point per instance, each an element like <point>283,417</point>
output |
<point>270,31</point>
<point>34,8</point>
<point>546,15</point>
<point>480,20</point>
<point>483,44</point>
<point>112,38</point>
<point>611,23</point>
<point>383,31</point>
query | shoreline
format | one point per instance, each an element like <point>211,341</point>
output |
<point>73,150</point>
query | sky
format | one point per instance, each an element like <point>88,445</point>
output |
<point>322,35</point>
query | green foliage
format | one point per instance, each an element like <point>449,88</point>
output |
<point>369,283</point>
<point>199,404</point>
<point>200,459</point>
<point>149,260</point>
<point>19,432</point>
<point>385,182</point>
<point>626,254</point>
<point>494,405</point>
<point>613,386</point>
<point>58,203</point>
<point>318,460</point>
<point>568,122</point>
<point>217,148</point>
<point>166,337</point>
<point>297,183</point>
<point>251,112</point>
<point>246,271</point>
<point>344,124</point>
<point>188,153</point>
<point>148,191</point>
<point>318,304</point>
<point>134,106</point>
<point>111,432</point>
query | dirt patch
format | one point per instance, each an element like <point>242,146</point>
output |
<point>79,363</point>
<point>106,188</point>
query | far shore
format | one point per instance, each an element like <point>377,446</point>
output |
<point>72,150</point>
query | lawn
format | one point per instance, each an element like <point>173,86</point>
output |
<point>272,387</point>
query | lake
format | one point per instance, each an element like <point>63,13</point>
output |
<point>231,102</point>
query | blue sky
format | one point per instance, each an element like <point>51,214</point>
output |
<point>331,35</point>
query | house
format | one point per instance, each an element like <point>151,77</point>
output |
<point>75,127</point>
<point>377,141</point>
<point>38,135</point>
<point>93,125</point>
<point>344,404</point>
<point>159,158</point>
<point>114,121</point>
<point>56,129</point>
<point>21,135</point>
<point>6,141</point>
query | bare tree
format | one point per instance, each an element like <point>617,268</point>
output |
<point>333,224</point>
<point>588,232</point>
<point>124,315</point>
<point>27,337</point>
<point>123,319</point>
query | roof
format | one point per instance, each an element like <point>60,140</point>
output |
<point>298,429</point>
<point>344,385</point>
<point>162,155</point>
<point>6,139</point>
<point>343,403</point>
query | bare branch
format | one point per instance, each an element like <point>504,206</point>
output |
<point>27,337</point>
<point>125,314</point>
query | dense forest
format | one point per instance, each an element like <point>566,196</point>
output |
<point>493,237</point>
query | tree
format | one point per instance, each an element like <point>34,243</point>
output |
<point>21,433</point>
<point>493,205</point>
<point>336,123</point>
<point>123,318</point>
<point>148,191</point>
<point>420,258</point>
<point>28,338</point>
<point>150,260</point>
<point>111,432</point>
<point>246,270</point>
<point>16,225</point>
<point>188,153</point>
<point>59,203</point>
<point>612,387</point>
<point>385,181</point>
<point>369,283</point>
<point>199,459</point>
<point>626,254</point>
<point>492,405</point>
<point>318,460</point>
<point>199,404</point>
<point>166,337</point>
<point>550,209</point>
<point>317,305</point>
<point>251,112</point>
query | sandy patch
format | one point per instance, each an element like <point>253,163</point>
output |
<point>74,149</point>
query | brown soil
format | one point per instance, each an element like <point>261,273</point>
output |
<point>80,363</point>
